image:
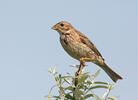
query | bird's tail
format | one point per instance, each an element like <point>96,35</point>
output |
<point>112,74</point>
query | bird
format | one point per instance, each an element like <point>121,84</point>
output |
<point>78,46</point>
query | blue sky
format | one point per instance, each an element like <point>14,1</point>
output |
<point>28,46</point>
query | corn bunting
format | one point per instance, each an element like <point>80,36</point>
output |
<point>78,46</point>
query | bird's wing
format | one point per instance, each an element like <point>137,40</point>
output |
<point>87,42</point>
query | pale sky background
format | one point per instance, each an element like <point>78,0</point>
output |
<point>28,46</point>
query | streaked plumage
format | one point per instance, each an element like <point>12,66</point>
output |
<point>79,46</point>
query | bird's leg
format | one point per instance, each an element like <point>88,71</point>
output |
<point>82,64</point>
<point>80,68</point>
<point>85,59</point>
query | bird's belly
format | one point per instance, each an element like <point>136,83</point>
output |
<point>76,49</point>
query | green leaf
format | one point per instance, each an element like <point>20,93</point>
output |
<point>57,97</point>
<point>48,96</point>
<point>69,88</point>
<point>113,98</point>
<point>78,92</point>
<point>88,82</point>
<point>99,82</point>
<point>83,77</point>
<point>75,66</point>
<point>98,86</point>
<point>95,75</point>
<point>57,79</point>
<point>69,74</point>
<point>88,96</point>
<point>52,70</point>
<point>68,96</point>
<point>59,75</point>
<point>105,95</point>
<point>66,77</point>
<point>110,99</point>
<point>82,86</point>
<point>66,80</point>
<point>60,79</point>
<point>96,97</point>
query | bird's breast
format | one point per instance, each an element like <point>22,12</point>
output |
<point>74,48</point>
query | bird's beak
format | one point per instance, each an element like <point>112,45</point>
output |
<point>54,27</point>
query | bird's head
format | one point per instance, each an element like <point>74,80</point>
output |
<point>62,27</point>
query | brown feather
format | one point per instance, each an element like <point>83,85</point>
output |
<point>87,42</point>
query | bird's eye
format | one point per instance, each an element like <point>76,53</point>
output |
<point>61,25</point>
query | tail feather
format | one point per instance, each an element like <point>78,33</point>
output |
<point>112,74</point>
